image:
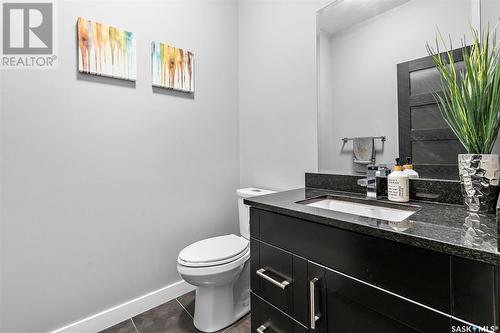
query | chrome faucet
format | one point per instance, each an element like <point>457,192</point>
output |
<point>372,181</point>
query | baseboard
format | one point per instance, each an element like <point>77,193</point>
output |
<point>119,313</point>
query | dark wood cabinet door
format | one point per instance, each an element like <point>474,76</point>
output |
<point>473,285</point>
<point>347,305</point>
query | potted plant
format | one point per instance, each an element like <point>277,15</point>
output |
<point>470,104</point>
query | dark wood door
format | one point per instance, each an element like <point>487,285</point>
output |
<point>343,304</point>
<point>424,135</point>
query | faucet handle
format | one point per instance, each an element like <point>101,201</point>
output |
<point>363,182</point>
<point>383,171</point>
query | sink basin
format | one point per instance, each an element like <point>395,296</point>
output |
<point>376,210</point>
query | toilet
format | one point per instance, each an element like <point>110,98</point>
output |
<point>219,267</point>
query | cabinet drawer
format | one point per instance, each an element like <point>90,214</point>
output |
<point>268,319</point>
<point>280,278</point>
<point>415,273</point>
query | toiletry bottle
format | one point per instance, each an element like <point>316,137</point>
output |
<point>408,169</point>
<point>398,184</point>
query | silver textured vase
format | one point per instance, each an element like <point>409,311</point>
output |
<point>478,234</point>
<point>479,177</point>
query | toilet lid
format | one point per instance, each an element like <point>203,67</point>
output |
<point>215,249</point>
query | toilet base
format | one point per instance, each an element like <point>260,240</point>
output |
<point>217,307</point>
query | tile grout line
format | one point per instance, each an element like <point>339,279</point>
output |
<point>182,306</point>
<point>132,320</point>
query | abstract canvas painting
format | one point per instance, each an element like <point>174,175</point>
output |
<point>105,50</point>
<point>172,68</point>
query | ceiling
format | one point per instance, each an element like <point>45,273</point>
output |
<point>343,14</point>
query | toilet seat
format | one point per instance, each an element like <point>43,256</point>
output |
<point>214,251</point>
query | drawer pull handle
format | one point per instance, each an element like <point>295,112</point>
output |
<point>312,303</point>
<point>283,284</point>
<point>261,329</point>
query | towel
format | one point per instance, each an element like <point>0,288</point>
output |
<point>363,153</point>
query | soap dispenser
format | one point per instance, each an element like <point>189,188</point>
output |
<point>408,169</point>
<point>398,184</point>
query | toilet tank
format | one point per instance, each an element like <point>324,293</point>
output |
<point>244,210</point>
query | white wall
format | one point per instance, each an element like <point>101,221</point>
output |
<point>102,182</point>
<point>364,77</point>
<point>277,91</point>
<point>490,15</point>
<point>326,120</point>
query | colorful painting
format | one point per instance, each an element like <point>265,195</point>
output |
<point>105,50</point>
<point>172,68</point>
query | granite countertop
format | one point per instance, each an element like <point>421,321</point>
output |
<point>446,228</point>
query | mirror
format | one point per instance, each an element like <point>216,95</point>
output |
<point>365,47</point>
<point>490,15</point>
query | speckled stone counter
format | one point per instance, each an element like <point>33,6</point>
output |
<point>441,227</point>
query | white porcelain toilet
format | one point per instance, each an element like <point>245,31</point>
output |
<point>220,270</point>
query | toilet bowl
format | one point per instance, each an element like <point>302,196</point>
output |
<point>219,267</point>
<point>220,301</point>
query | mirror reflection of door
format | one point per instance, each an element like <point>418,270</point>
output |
<point>360,44</point>
<point>424,135</point>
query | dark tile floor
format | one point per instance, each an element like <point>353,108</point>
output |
<point>175,316</point>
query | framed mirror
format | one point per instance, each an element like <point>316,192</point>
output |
<point>376,80</point>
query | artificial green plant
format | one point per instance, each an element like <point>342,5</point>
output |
<point>470,97</point>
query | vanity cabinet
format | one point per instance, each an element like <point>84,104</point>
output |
<point>314,277</point>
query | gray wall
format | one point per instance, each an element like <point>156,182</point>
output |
<point>104,183</point>
<point>277,91</point>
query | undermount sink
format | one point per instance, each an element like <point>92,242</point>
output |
<point>376,210</point>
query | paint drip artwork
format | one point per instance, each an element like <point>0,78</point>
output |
<point>172,68</point>
<point>105,50</point>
